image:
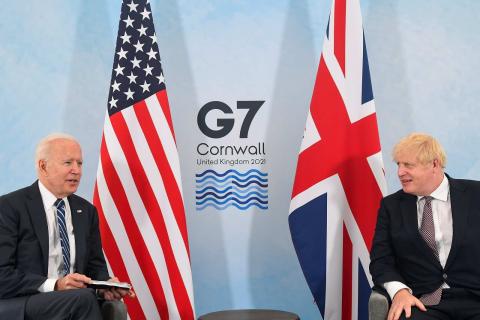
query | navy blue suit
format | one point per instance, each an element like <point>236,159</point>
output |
<point>24,246</point>
<point>399,252</point>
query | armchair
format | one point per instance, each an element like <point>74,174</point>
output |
<point>378,304</point>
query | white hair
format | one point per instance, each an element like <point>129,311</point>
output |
<point>42,151</point>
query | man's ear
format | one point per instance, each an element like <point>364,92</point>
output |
<point>42,167</point>
<point>436,164</point>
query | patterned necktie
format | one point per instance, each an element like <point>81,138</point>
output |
<point>427,230</point>
<point>62,230</point>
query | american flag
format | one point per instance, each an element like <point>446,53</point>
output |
<point>138,190</point>
<point>340,178</point>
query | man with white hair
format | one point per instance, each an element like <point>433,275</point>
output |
<point>50,247</point>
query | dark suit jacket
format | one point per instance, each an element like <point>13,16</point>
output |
<point>24,245</point>
<point>399,252</point>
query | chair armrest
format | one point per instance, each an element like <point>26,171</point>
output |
<point>378,305</point>
<point>113,310</point>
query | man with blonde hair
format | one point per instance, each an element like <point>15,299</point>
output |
<point>426,248</point>
<point>50,247</point>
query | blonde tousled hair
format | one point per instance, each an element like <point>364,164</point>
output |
<point>426,148</point>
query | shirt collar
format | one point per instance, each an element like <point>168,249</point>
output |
<point>441,193</point>
<point>48,198</point>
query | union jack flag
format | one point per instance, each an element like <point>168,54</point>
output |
<point>340,177</point>
<point>138,191</point>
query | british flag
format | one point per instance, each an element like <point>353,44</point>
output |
<point>340,177</point>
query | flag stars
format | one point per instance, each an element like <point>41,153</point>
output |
<point>145,14</point>
<point>152,54</point>
<point>142,30</point>
<point>132,6</point>
<point>122,54</point>
<point>113,103</point>
<point>145,86</point>
<point>129,22</point>
<point>129,94</point>
<point>115,86</point>
<point>132,77</point>
<point>135,63</point>
<point>125,38</point>
<point>148,70</point>
<point>154,38</point>
<point>161,78</point>
<point>137,71</point>
<point>119,70</point>
<point>138,46</point>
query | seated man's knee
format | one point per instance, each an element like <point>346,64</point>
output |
<point>417,315</point>
<point>85,296</point>
<point>86,303</point>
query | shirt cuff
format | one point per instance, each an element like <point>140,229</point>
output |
<point>48,285</point>
<point>393,287</point>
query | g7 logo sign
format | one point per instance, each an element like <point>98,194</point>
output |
<point>225,125</point>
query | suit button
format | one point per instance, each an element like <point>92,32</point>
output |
<point>444,276</point>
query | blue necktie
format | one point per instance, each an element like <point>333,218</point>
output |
<point>62,230</point>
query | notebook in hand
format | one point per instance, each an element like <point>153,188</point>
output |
<point>97,284</point>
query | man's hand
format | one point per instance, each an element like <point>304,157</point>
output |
<point>115,293</point>
<point>404,301</point>
<point>72,281</point>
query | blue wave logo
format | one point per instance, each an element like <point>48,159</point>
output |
<point>232,189</point>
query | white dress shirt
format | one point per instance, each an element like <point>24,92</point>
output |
<point>55,259</point>
<point>442,220</point>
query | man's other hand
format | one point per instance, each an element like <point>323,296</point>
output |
<point>404,301</point>
<point>72,281</point>
<point>115,293</point>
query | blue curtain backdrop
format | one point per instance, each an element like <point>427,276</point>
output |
<point>56,58</point>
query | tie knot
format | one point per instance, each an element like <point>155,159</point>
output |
<point>428,199</point>
<point>59,203</point>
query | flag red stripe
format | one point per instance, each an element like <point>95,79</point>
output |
<point>347,277</point>
<point>163,99</point>
<point>114,257</point>
<point>158,152</point>
<point>360,137</point>
<point>340,139</point>
<point>150,202</point>
<point>339,38</point>
<point>364,205</point>
<point>347,146</point>
<point>134,234</point>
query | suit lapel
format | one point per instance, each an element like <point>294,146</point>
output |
<point>409,212</point>
<point>460,203</point>
<point>38,217</point>
<point>78,222</point>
